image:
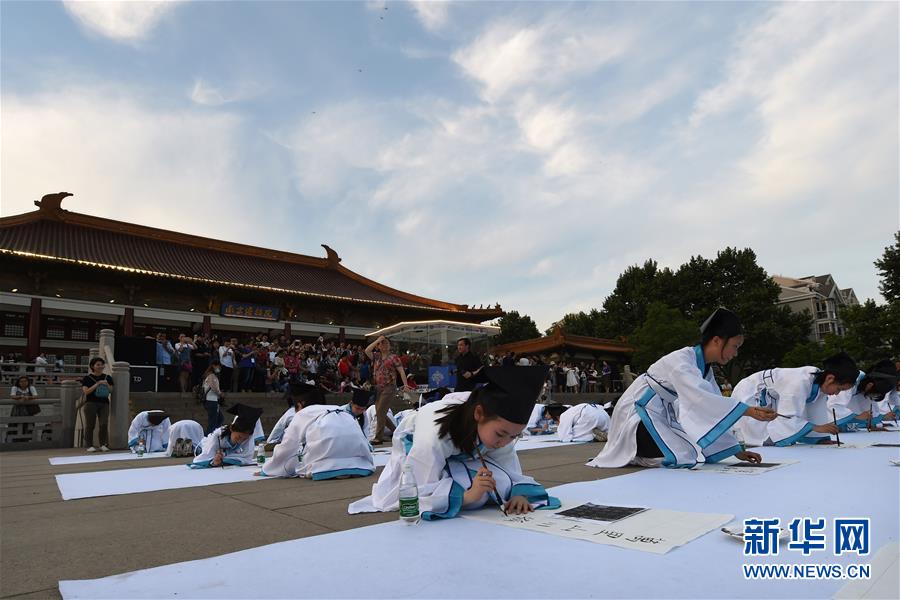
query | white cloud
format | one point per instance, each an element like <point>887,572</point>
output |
<point>119,20</point>
<point>507,56</point>
<point>173,169</point>
<point>206,94</point>
<point>433,14</point>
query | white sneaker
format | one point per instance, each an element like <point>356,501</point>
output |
<point>104,449</point>
<point>91,449</point>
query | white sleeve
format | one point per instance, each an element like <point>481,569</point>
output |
<point>285,458</point>
<point>166,425</point>
<point>792,397</point>
<point>134,430</point>
<point>566,429</point>
<point>702,409</point>
<point>208,449</point>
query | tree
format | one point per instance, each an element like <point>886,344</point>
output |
<point>626,308</point>
<point>515,327</point>
<point>580,323</point>
<point>664,330</point>
<point>889,267</point>
<point>866,336</point>
<point>734,280</point>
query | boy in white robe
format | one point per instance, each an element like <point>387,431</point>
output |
<point>283,421</point>
<point>322,442</point>
<point>581,422</point>
<point>191,435</point>
<point>677,406</point>
<point>231,444</point>
<point>446,441</point>
<point>369,423</point>
<point>854,407</point>
<point>152,426</point>
<point>800,397</point>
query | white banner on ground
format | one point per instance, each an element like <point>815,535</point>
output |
<point>103,457</point>
<point>649,530</point>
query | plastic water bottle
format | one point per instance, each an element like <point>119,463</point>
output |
<point>409,496</point>
<point>141,448</point>
<point>261,455</point>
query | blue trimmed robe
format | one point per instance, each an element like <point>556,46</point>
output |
<point>443,473</point>
<point>156,437</point>
<point>321,442</point>
<point>187,430</point>
<point>849,404</point>
<point>790,392</point>
<point>234,454</point>
<point>680,404</point>
<point>281,425</point>
<point>577,424</point>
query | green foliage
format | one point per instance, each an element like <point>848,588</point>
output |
<point>515,327</point>
<point>866,332</point>
<point>580,323</point>
<point>626,308</point>
<point>664,330</point>
<point>889,267</point>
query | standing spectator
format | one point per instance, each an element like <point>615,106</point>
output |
<point>201,359</point>
<point>312,365</point>
<point>571,379</point>
<point>385,367</point>
<point>40,363</point>
<point>226,360</point>
<point>97,388</point>
<point>165,354</point>
<point>183,350</point>
<point>24,394</point>
<point>583,380</point>
<point>247,366</point>
<point>213,396</point>
<point>561,377</point>
<point>468,367</point>
<point>344,365</point>
<point>605,377</point>
<point>261,367</point>
<point>292,363</point>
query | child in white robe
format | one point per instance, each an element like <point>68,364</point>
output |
<point>322,442</point>
<point>677,407</point>
<point>152,426</point>
<point>801,396</point>
<point>582,422</point>
<point>446,441</point>
<point>231,444</point>
<point>854,407</point>
<point>191,435</point>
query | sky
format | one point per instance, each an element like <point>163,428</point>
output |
<point>473,152</point>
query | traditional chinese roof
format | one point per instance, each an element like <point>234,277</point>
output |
<point>559,340</point>
<point>55,234</point>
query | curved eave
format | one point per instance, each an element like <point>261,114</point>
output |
<point>203,280</point>
<point>187,239</point>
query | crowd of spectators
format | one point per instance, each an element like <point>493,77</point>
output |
<point>260,364</point>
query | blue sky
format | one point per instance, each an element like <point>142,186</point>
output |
<point>521,153</point>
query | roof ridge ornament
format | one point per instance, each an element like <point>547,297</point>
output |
<point>331,256</point>
<point>51,204</point>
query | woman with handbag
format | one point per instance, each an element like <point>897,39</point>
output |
<point>213,397</point>
<point>97,389</point>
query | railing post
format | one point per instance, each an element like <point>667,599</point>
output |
<point>118,407</point>
<point>69,394</point>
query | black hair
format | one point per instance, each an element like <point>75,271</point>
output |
<point>722,323</point>
<point>555,410</point>
<point>465,341</point>
<point>883,376</point>
<point>95,360</point>
<point>458,421</point>
<point>841,366</point>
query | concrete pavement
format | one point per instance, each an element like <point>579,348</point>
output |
<point>44,539</point>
